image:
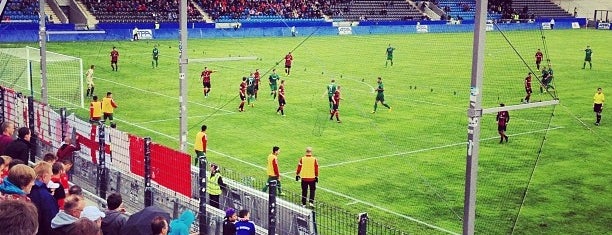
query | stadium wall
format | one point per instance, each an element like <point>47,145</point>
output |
<point>168,31</point>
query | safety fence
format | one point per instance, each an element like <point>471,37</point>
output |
<point>146,173</point>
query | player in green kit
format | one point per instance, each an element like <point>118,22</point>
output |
<point>380,95</point>
<point>587,57</point>
<point>331,89</point>
<point>155,57</point>
<point>273,83</point>
<point>389,55</point>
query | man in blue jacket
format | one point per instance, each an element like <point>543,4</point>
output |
<point>42,198</point>
<point>182,225</point>
<point>244,226</point>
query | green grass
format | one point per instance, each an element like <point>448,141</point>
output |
<point>406,163</point>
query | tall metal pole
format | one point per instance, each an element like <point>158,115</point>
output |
<point>203,219</point>
<point>474,116</point>
<point>148,190</point>
<point>42,40</point>
<point>183,75</point>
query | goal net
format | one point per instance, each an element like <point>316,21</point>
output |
<point>20,70</point>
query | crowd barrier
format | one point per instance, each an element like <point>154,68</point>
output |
<point>168,31</point>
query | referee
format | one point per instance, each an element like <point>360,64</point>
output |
<point>598,101</point>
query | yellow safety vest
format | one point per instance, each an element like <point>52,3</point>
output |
<point>212,186</point>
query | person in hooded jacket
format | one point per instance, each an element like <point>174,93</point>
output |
<point>63,222</point>
<point>182,225</point>
<point>115,215</point>
<point>18,184</point>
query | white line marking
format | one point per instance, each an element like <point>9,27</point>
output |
<point>164,95</point>
<point>172,119</point>
<point>432,148</point>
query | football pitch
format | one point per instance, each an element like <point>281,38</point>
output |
<point>404,166</point>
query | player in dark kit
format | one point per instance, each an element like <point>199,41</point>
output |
<point>587,57</point>
<point>389,53</point>
<point>528,88</point>
<point>257,77</point>
<point>242,91</point>
<point>331,89</point>
<point>335,105</point>
<point>281,98</point>
<point>114,59</point>
<point>273,83</point>
<point>205,76</point>
<point>503,117</point>
<point>154,62</point>
<point>380,95</point>
<point>538,57</point>
<point>251,90</point>
<point>288,62</point>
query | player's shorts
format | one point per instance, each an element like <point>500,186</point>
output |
<point>389,57</point>
<point>242,97</point>
<point>330,99</point>
<point>380,98</point>
<point>251,91</point>
<point>113,61</point>
<point>528,90</point>
<point>273,87</point>
<point>597,108</point>
<point>206,84</point>
<point>281,101</point>
<point>538,61</point>
<point>587,59</point>
<point>108,116</point>
<point>335,107</point>
<point>501,127</point>
<point>155,58</point>
<point>288,66</point>
<point>256,87</point>
<point>90,85</point>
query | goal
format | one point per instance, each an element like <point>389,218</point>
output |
<point>20,70</point>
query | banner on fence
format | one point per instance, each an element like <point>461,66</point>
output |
<point>575,25</point>
<point>422,28</point>
<point>145,34</point>
<point>489,27</point>
<point>546,25</point>
<point>345,30</point>
<point>603,26</point>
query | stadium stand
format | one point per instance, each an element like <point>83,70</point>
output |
<point>227,11</point>
<point>21,11</point>
<point>376,10</point>
<point>465,9</point>
<point>124,11</point>
<point>541,8</point>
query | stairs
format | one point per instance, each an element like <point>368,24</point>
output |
<point>205,15</point>
<point>52,16</point>
<point>91,19</point>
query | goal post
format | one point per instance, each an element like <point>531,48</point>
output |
<point>19,68</point>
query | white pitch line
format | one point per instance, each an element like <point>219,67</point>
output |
<point>432,148</point>
<point>164,95</point>
<point>172,119</point>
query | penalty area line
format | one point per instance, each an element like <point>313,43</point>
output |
<point>176,118</point>
<point>432,148</point>
<point>164,95</point>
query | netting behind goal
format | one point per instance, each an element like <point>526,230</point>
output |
<point>20,69</point>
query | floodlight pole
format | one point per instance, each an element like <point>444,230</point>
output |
<point>42,40</point>
<point>183,76</point>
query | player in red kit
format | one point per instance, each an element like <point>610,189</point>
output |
<point>335,105</point>
<point>257,77</point>
<point>503,117</point>
<point>288,62</point>
<point>205,76</point>
<point>114,58</point>
<point>538,57</point>
<point>528,88</point>
<point>243,87</point>
<point>281,98</point>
